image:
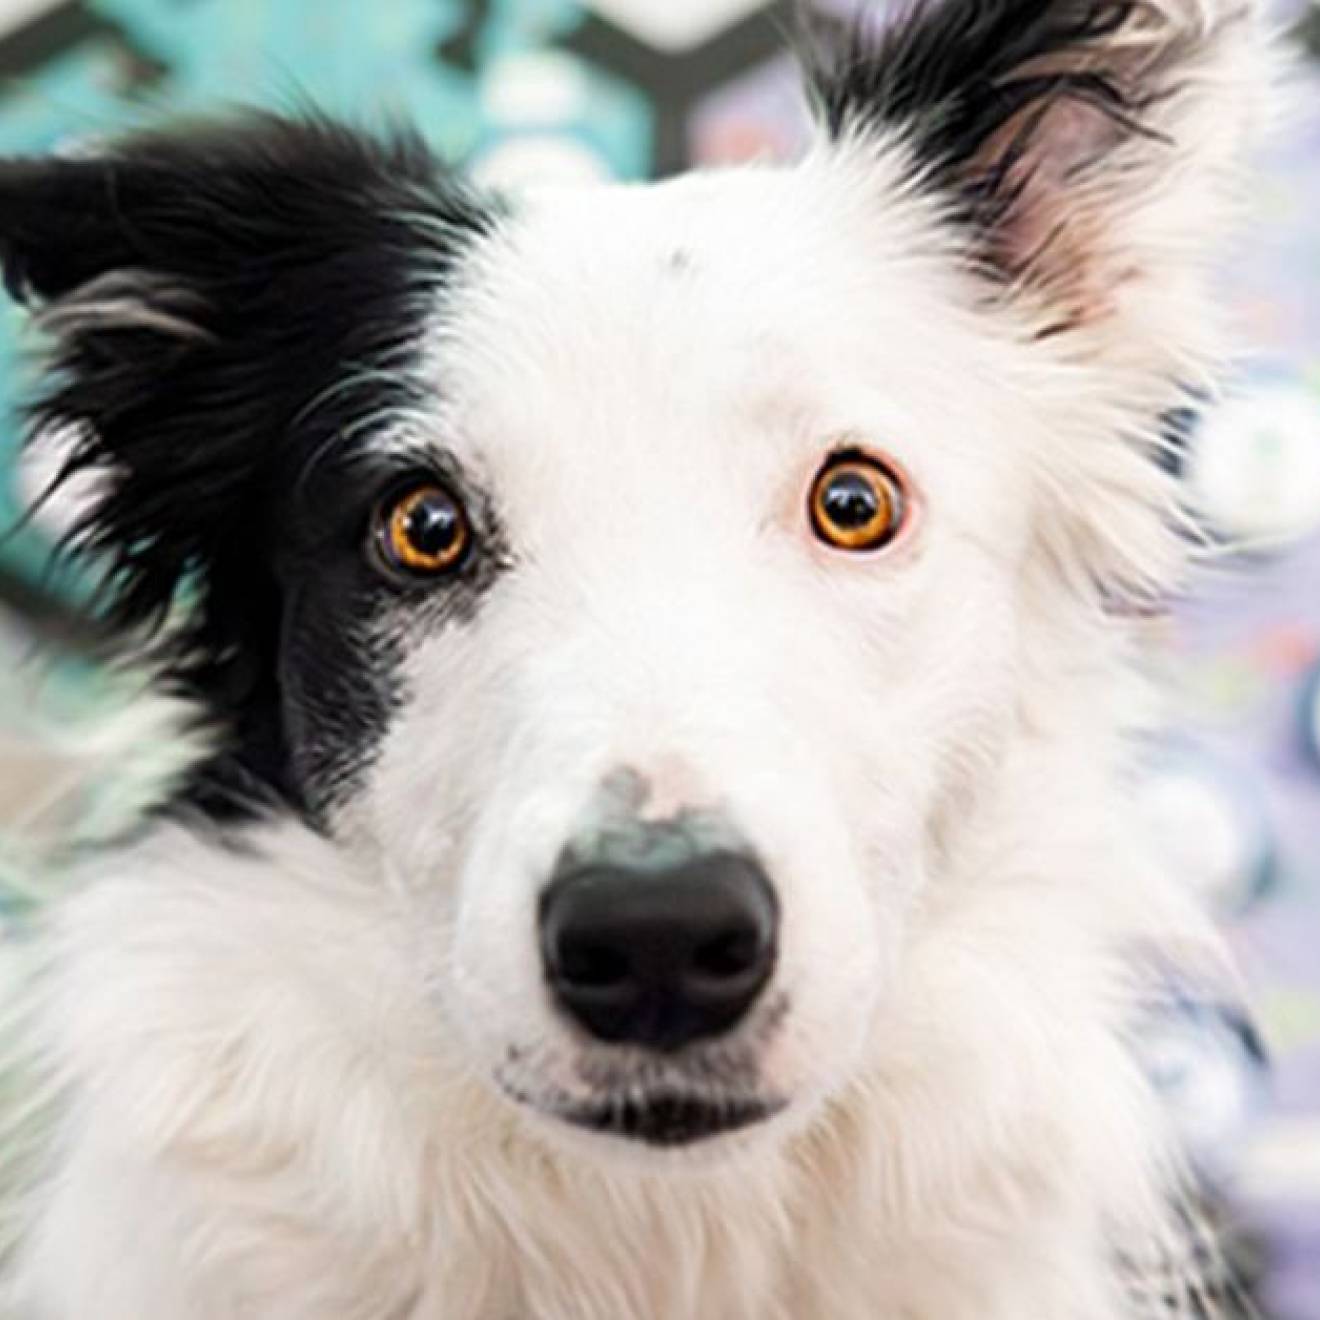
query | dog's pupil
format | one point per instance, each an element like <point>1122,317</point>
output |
<point>433,525</point>
<point>851,501</point>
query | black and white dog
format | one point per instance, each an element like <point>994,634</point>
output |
<point>662,849</point>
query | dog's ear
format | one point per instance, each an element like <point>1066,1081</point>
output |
<point>1088,153</point>
<point>182,202</point>
<point>1084,145</point>
<point>220,300</point>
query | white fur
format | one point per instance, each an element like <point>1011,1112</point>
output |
<point>272,1068</point>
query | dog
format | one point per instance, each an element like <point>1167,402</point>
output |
<point>667,666</point>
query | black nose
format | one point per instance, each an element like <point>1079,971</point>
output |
<point>659,958</point>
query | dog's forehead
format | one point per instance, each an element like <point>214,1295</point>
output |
<point>612,310</point>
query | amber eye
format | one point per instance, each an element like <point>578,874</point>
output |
<point>857,503</point>
<point>422,531</point>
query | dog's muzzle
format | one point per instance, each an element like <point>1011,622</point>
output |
<point>658,939</point>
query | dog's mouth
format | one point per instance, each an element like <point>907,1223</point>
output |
<point>669,1119</point>
<point>661,1118</point>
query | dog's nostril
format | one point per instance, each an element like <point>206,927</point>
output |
<point>592,965</point>
<point>731,953</point>
<point>659,958</point>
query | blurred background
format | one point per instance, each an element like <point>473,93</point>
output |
<point>583,89</point>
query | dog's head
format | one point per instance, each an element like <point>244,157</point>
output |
<point>646,585</point>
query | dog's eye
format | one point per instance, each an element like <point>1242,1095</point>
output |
<point>422,531</point>
<point>857,503</point>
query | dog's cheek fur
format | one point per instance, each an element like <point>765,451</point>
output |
<point>339,685</point>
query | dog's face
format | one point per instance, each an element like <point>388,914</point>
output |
<point>718,498</point>
<point>642,584</point>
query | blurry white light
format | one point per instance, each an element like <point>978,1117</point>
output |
<point>536,87</point>
<point>674,25</point>
<point>1205,833</point>
<point>537,159</point>
<point>1253,467</point>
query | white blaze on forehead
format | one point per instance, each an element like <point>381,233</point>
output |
<point>759,315</point>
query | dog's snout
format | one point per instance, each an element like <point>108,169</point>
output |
<point>659,958</point>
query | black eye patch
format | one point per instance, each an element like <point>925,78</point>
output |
<point>347,627</point>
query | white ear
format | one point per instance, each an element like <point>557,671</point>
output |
<point>1089,151</point>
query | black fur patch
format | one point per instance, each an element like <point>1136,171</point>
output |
<point>1215,1270</point>
<point>951,74</point>
<point>236,310</point>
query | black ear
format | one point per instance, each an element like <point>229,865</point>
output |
<point>184,201</point>
<point>54,234</point>
<point>221,300</point>
<point>1082,144</point>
